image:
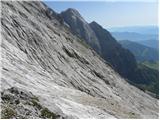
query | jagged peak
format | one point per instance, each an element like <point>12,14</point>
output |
<point>95,24</point>
<point>72,12</point>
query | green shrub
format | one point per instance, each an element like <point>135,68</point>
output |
<point>45,113</point>
<point>131,115</point>
<point>7,113</point>
<point>36,104</point>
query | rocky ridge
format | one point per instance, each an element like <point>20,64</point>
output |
<point>40,55</point>
<point>109,49</point>
<point>80,27</point>
<point>121,59</point>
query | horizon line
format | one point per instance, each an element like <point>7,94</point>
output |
<point>133,26</point>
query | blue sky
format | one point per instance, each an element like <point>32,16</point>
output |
<point>113,14</point>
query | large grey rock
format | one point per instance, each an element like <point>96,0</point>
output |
<point>40,55</point>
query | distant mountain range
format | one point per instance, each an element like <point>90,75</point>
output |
<point>141,52</point>
<point>137,29</point>
<point>133,36</point>
<point>150,43</point>
<point>146,35</point>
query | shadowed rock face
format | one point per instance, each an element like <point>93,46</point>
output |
<point>40,55</point>
<point>120,58</point>
<point>81,28</point>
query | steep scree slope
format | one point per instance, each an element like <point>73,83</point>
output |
<point>41,56</point>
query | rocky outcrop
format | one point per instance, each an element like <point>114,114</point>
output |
<point>81,28</point>
<point>40,55</point>
<point>18,103</point>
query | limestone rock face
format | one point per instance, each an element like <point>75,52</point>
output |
<point>40,55</point>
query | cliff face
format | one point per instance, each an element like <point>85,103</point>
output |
<point>81,28</point>
<point>41,56</point>
<point>121,59</point>
<point>109,49</point>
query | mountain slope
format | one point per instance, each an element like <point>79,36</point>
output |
<point>41,56</point>
<point>151,84</point>
<point>120,58</point>
<point>109,48</point>
<point>150,43</point>
<point>81,28</point>
<point>151,64</point>
<point>140,52</point>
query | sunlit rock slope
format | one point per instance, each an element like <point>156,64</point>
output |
<point>42,59</point>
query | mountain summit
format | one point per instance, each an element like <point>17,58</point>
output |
<point>81,28</point>
<point>48,73</point>
<point>73,12</point>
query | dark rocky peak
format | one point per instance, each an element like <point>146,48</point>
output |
<point>95,26</point>
<point>72,12</point>
<point>81,28</point>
